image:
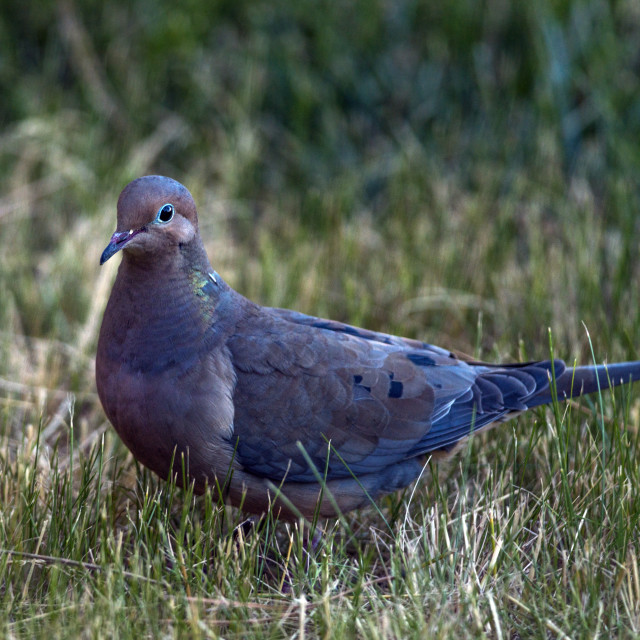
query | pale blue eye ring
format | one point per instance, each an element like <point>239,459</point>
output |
<point>165,213</point>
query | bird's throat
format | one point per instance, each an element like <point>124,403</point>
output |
<point>164,320</point>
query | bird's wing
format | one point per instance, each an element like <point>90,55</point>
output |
<point>377,399</point>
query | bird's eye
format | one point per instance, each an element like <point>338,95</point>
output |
<point>165,213</point>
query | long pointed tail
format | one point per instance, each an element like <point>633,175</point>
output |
<point>572,382</point>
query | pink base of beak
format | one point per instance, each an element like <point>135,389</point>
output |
<point>118,241</point>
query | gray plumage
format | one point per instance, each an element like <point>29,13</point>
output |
<point>189,369</point>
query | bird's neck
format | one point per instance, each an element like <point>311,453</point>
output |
<point>165,313</point>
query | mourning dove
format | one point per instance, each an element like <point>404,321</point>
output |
<point>262,402</point>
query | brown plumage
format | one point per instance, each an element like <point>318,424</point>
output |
<point>189,370</point>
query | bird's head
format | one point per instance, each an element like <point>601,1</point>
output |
<point>154,214</point>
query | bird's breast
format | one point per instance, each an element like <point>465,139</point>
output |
<point>165,379</point>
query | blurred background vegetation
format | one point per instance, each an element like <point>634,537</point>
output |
<point>465,172</point>
<point>405,165</point>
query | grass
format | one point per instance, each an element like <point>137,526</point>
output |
<point>462,173</point>
<point>534,538</point>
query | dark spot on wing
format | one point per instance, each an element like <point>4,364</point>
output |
<point>421,360</point>
<point>395,390</point>
<point>357,380</point>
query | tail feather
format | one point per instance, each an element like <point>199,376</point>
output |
<point>575,381</point>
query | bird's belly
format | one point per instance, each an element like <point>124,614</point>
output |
<point>184,416</point>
